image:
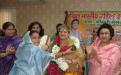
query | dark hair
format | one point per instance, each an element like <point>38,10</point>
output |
<point>107,26</point>
<point>16,32</point>
<point>5,26</point>
<point>31,32</point>
<point>58,25</point>
<point>41,33</point>
<point>74,21</point>
<point>1,32</point>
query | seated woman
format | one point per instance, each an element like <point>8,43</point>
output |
<point>8,45</point>
<point>31,60</point>
<point>72,54</point>
<point>104,55</point>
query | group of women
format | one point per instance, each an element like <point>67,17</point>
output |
<point>62,54</point>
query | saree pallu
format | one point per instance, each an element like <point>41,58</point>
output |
<point>7,62</point>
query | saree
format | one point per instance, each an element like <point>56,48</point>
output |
<point>75,68</point>
<point>109,56</point>
<point>31,60</point>
<point>6,63</point>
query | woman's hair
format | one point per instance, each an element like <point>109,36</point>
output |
<point>57,26</point>
<point>41,33</point>
<point>16,32</point>
<point>1,32</point>
<point>65,27</point>
<point>74,21</point>
<point>31,32</point>
<point>5,26</point>
<point>107,26</point>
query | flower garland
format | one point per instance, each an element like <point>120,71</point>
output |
<point>62,64</point>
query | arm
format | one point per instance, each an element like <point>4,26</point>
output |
<point>64,54</point>
<point>92,54</point>
<point>75,57</point>
<point>9,50</point>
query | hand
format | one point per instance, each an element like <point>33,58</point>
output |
<point>2,55</point>
<point>58,55</point>
<point>10,50</point>
<point>98,60</point>
<point>69,49</point>
<point>51,43</point>
<point>91,52</point>
<point>45,47</point>
<point>69,61</point>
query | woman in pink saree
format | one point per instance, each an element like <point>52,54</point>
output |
<point>104,55</point>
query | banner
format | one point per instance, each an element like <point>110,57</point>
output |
<point>90,20</point>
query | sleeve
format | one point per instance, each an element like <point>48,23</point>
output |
<point>42,59</point>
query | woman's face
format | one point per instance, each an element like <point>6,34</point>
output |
<point>104,35</point>
<point>36,28</point>
<point>35,38</point>
<point>75,25</point>
<point>63,33</point>
<point>10,31</point>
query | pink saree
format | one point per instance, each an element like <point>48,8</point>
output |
<point>109,56</point>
